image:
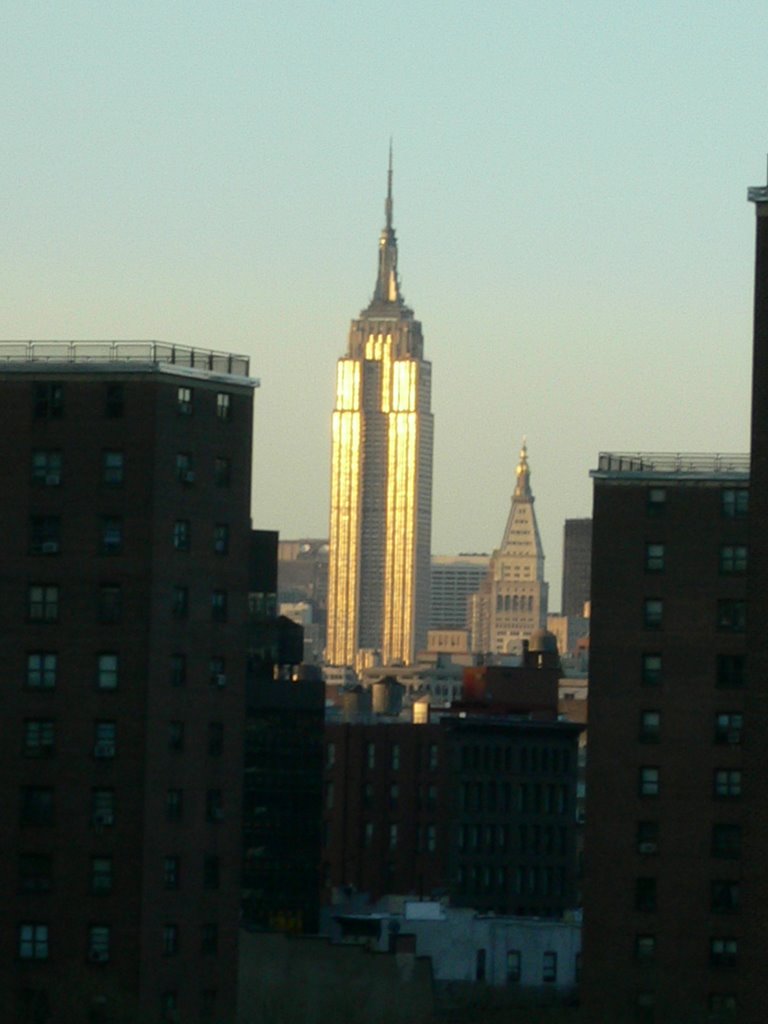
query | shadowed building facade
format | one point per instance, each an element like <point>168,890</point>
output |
<point>381,479</point>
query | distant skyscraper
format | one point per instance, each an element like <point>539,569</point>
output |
<point>381,478</point>
<point>512,601</point>
<point>455,578</point>
<point>577,557</point>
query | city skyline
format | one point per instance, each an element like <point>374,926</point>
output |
<point>574,221</point>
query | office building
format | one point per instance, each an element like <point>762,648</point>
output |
<point>381,480</point>
<point>511,603</point>
<point>455,578</point>
<point>124,602</point>
<point>577,559</point>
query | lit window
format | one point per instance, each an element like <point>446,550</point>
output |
<point>657,501</point>
<point>654,557</point>
<point>649,781</point>
<point>112,468</point>
<point>184,401</point>
<point>44,535</point>
<point>181,535</point>
<point>33,941</point>
<point>105,739</point>
<point>723,952</point>
<point>46,468</point>
<point>653,611</point>
<point>41,670</point>
<point>223,406</point>
<point>111,535</point>
<point>549,967</point>
<point>43,603</point>
<point>38,737</point>
<point>728,727</point>
<point>727,783</point>
<point>221,538</point>
<point>733,559</point>
<point>731,615</point>
<point>650,727</point>
<point>107,672</point>
<point>735,502</point>
<point>101,874</point>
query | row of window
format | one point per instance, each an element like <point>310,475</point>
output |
<point>726,782</point>
<point>514,602</point>
<point>47,468</point>
<point>505,797</point>
<point>734,502</point>
<point>546,839</point>
<point>724,896</point>
<point>34,941</point>
<point>38,806</point>
<point>39,738</point>
<point>732,558</point>
<point>42,670</point>
<point>390,751</point>
<point>426,796</point>
<point>548,966</point>
<point>36,873</point>
<point>486,878</point>
<point>728,727</point>
<point>44,603</point>
<point>730,614</point>
<point>723,951</point>
<point>730,670</point>
<point>722,1005</point>
<point>529,759</point>
<point>48,401</point>
<point>45,536</point>
<point>426,836</point>
<point>725,840</point>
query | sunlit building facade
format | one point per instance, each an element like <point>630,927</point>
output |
<point>381,479</point>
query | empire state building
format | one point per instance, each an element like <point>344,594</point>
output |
<point>381,479</point>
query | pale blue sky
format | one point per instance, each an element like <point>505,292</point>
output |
<point>570,202</point>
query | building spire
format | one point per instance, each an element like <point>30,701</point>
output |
<point>387,285</point>
<point>523,485</point>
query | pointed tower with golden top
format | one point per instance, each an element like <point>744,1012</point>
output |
<point>512,601</point>
<point>381,479</point>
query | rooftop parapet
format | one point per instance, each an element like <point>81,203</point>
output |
<point>676,464</point>
<point>100,353</point>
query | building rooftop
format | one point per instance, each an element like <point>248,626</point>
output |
<point>97,355</point>
<point>657,465</point>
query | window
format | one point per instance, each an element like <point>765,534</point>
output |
<point>431,839</point>
<point>394,795</point>
<point>111,535</point>
<point>731,615</point>
<point>433,756</point>
<point>221,471</point>
<point>725,897</point>
<point>653,611</point>
<point>178,669</point>
<point>107,671</point>
<point>549,967</point>
<point>41,670</point>
<point>330,755</point>
<point>393,837</point>
<point>184,401</point>
<point>647,837</point>
<point>727,783</point>
<point>214,806</point>
<point>102,808</point>
<point>105,740</point>
<point>370,755</point>
<point>208,999</point>
<point>514,966</point>
<point>112,468</point>
<point>110,602</point>
<point>209,943</point>
<point>735,502</point>
<point>35,872</point>
<point>654,557</point>
<point>49,401</point>
<point>211,871</point>
<point>170,939</point>
<point>726,841</point>
<point>176,736</point>
<point>645,894</point>
<point>43,603</point>
<point>215,738</point>
<point>38,737</point>
<point>46,468</point>
<point>114,403</point>
<point>733,559</point>
<point>180,602</point>
<point>219,605</point>
<point>657,501</point>
<point>649,781</point>
<point>329,796</point>
<point>650,727</point>
<point>223,406</point>
<point>728,726</point>
<point>730,671</point>
<point>33,941</point>
<point>174,804</point>
<point>723,952</point>
<point>184,471</point>
<point>171,872</point>
<point>181,535</point>
<point>650,669</point>
<point>44,535</point>
<point>368,833</point>
<point>722,1003</point>
<point>101,875</point>
<point>221,538</point>
<point>217,671</point>
<point>645,947</point>
<point>169,1006</point>
<point>36,805</point>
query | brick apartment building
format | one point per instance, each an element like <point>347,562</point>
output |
<point>125,501</point>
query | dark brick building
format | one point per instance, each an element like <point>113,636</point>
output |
<point>665,884</point>
<point>124,500</point>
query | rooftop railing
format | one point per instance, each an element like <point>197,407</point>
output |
<point>155,352</point>
<point>672,462</point>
